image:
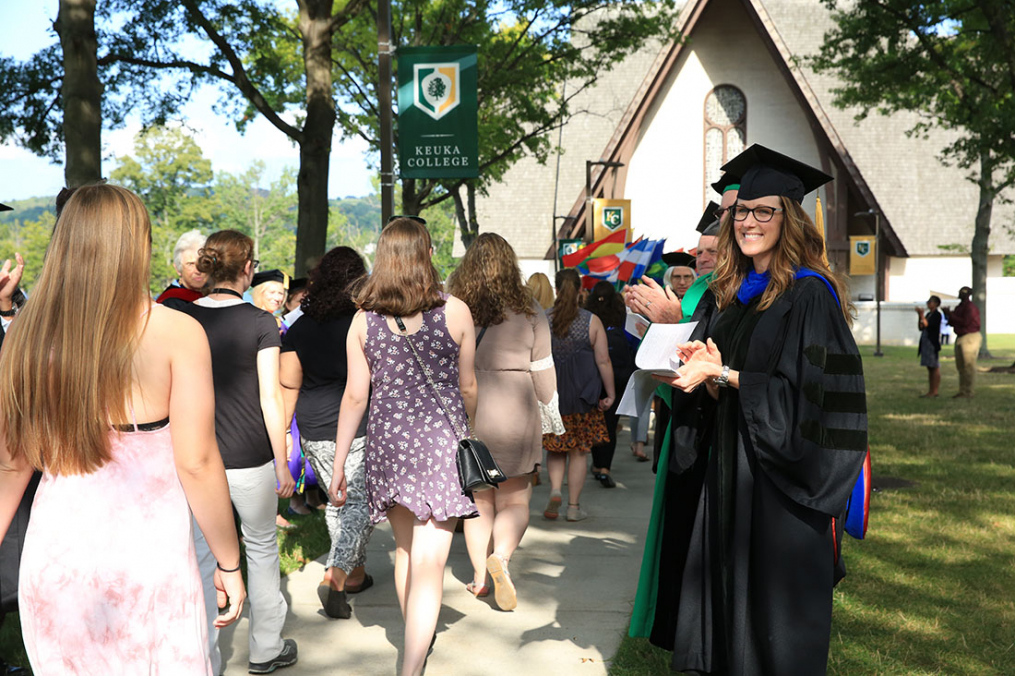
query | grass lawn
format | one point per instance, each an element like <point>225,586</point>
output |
<point>932,588</point>
<point>304,543</point>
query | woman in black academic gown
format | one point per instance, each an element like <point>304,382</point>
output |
<point>790,437</point>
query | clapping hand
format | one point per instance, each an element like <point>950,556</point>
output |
<point>10,279</point>
<point>657,303</point>
<point>701,362</point>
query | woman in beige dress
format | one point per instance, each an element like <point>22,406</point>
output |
<point>516,380</point>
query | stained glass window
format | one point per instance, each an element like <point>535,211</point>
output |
<point>725,132</point>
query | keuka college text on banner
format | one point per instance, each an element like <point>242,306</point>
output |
<point>438,135</point>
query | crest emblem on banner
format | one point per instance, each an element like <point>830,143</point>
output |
<point>863,248</point>
<point>436,88</point>
<point>613,218</point>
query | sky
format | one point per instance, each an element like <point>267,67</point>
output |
<point>28,28</point>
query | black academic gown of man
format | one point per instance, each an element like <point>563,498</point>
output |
<point>756,594</point>
<point>690,439</point>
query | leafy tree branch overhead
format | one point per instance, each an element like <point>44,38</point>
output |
<point>953,63</point>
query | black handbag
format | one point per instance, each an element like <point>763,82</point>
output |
<point>477,470</point>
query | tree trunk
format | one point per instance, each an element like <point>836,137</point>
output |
<point>315,149</point>
<point>410,198</point>
<point>81,92</point>
<point>460,215</point>
<point>981,246</point>
<point>473,232</point>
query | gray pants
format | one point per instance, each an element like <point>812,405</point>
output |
<point>252,491</point>
<point>348,525</point>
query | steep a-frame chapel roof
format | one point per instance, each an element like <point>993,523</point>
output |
<point>928,208</point>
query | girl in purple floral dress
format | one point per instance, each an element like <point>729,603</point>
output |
<point>411,476</point>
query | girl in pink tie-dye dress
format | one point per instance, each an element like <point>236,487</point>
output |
<point>109,581</point>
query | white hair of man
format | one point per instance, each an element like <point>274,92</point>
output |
<point>669,273</point>
<point>192,240</point>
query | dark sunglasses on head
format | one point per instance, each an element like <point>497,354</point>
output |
<point>421,221</point>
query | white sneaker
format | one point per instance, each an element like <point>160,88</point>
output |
<point>576,513</point>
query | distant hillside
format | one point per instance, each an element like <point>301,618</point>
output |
<point>28,209</point>
<point>363,213</point>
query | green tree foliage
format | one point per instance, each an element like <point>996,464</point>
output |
<point>266,213</point>
<point>27,236</point>
<point>526,51</point>
<point>951,61</point>
<point>31,91</point>
<point>169,172</point>
<point>356,223</point>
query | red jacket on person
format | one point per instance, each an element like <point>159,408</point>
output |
<point>965,318</point>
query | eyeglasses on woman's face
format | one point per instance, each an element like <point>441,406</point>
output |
<point>762,214</point>
<point>255,264</point>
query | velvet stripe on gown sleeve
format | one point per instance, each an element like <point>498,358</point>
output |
<point>807,416</point>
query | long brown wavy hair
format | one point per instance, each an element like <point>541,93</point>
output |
<point>404,280</point>
<point>800,245</point>
<point>67,364</point>
<point>565,306</point>
<point>489,281</point>
<point>328,288</point>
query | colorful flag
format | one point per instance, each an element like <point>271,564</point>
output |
<point>605,247</point>
<point>639,258</point>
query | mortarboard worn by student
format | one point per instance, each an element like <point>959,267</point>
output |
<point>788,442</point>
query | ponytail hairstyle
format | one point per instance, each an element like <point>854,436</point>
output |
<point>565,307</point>
<point>224,255</point>
<point>605,303</point>
<point>62,386</point>
<point>800,245</point>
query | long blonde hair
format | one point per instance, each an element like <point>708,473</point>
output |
<point>542,290</point>
<point>800,245</point>
<point>67,363</point>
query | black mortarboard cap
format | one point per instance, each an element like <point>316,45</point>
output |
<point>270,276</point>
<point>4,207</point>
<point>675,258</point>
<point>708,220</point>
<point>297,284</point>
<point>728,181</point>
<point>764,172</point>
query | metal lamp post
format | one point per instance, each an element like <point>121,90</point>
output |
<point>589,227</point>
<point>877,271</point>
<point>384,52</point>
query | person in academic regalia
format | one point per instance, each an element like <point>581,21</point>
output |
<point>789,440</point>
<point>681,458</point>
<point>189,284</point>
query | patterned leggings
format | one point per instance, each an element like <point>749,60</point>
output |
<point>348,525</point>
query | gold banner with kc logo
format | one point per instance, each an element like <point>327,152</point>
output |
<point>862,256</point>
<point>609,216</point>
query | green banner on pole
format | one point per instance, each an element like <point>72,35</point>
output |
<point>438,133</point>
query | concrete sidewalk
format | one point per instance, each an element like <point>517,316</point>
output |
<point>576,584</point>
